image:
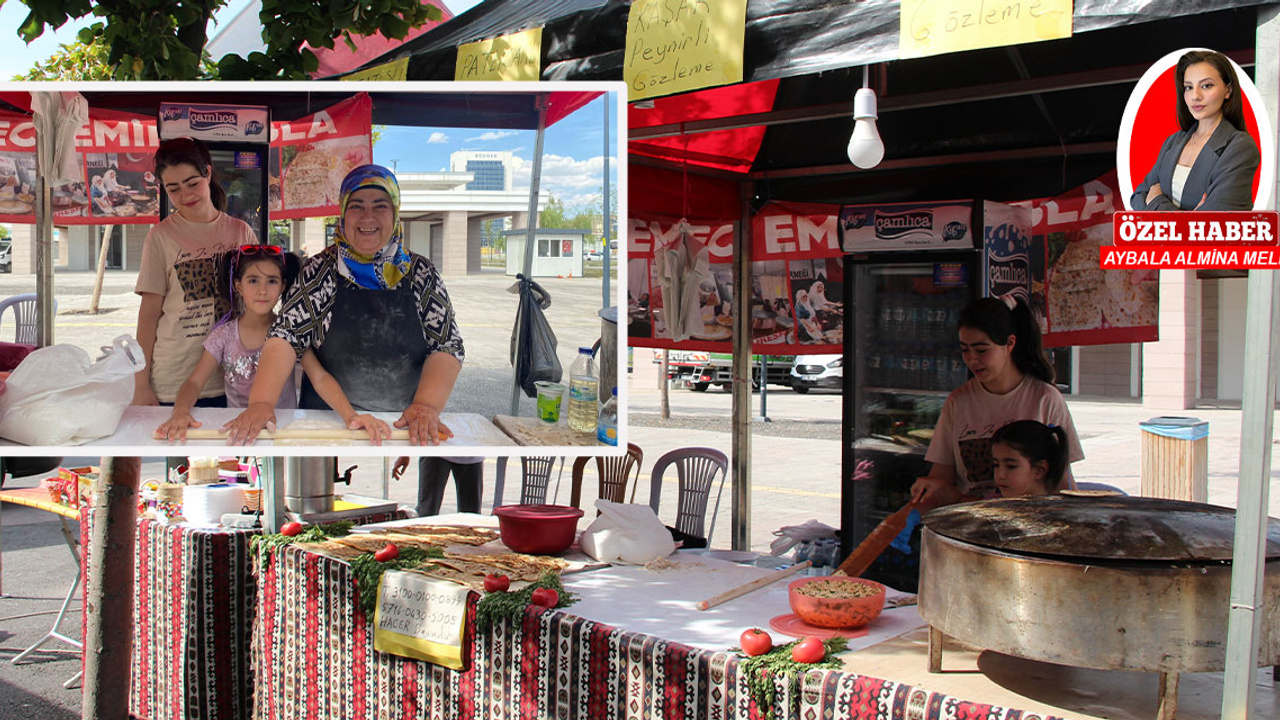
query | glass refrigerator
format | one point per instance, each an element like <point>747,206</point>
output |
<point>911,270</point>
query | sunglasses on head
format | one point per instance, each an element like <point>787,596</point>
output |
<point>249,250</point>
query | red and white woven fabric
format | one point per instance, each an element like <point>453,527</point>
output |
<point>195,597</point>
<point>314,659</point>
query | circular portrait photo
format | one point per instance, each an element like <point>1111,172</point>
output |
<point>1195,136</point>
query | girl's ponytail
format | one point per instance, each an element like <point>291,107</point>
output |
<point>1028,352</point>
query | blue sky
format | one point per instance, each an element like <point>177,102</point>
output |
<point>572,159</point>
<point>572,154</point>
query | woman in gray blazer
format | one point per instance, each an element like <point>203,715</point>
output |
<point>1210,163</point>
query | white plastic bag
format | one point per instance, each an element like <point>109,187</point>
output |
<point>57,397</point>
<point>627,534</point>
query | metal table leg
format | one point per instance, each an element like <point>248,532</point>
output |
<point>54,633</point>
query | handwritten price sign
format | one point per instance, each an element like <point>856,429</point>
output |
<point>680,45</point>
<point>934,27</point>
<point>420,618</point>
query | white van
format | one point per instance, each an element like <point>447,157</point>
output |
<point>823,371</point>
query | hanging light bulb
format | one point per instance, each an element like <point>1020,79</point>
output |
<point>866,149</point>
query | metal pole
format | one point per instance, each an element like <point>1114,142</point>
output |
<point>44,262</point>
<point>764,388</point>
<point>740,461</point>
<point>272,480</point>
<point>604,236</point>
<point>1244,621</point>
<point>531,227</point>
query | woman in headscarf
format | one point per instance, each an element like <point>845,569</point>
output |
<point>348,310</point>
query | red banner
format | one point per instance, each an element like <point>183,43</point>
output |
<point>1080,303</point>
<point>797,280</point>
<point>116,150</point>
<point>1187,241</point>
<point>311,155</point>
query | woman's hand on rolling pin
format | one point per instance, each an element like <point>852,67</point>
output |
<point>377,429</point>
<point>244,429</point>
<point>424,425</point>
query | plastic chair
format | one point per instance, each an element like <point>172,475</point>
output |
<point>26,316</point>
<point>697,468</point>
<point>615,475</point>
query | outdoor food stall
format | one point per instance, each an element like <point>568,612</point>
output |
<point>633,636</point>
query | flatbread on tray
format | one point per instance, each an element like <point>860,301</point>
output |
<point>441,534</point>
<point>470,569</point>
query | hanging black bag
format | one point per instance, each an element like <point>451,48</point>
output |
<point>533,342</point>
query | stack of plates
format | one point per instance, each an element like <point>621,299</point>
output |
<point>206,504</point>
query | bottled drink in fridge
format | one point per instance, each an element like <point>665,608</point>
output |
<point>583,391</point>
<point>607,430</point>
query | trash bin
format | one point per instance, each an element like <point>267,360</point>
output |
<point>1175,458</point>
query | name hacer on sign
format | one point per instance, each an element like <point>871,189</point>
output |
<point>1191,240</point>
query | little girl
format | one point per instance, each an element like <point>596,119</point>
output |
<point>259,276</point>
<point>1030,458</point>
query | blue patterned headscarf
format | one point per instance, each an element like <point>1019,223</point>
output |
<point>387,267</point>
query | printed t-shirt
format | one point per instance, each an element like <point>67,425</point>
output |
<point>239,365</point>
<point>972,414</point>
<point>179,263</point>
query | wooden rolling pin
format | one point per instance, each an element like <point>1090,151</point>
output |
<point>875,543</point>
<point>298,434</point>
<point>756,584</point>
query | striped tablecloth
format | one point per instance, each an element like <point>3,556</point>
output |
<point>314,659</point>
<point>195,598</point>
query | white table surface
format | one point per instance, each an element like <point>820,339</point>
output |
<point>662,603</point>
<point>473,435</point>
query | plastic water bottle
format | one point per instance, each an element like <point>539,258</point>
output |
<point>583,391</point>
<point>607,430</point>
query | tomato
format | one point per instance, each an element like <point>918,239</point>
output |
<point>291,529</point>
<point>496,583</point>
<point>808,650</point>
<point>388,553</point>
<point>546,597</point>
<point>755,642</point>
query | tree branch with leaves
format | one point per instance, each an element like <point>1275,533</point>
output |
<point>165,40</point>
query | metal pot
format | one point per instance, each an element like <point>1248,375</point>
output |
<point>309,481</point>
<point>1113,583</point>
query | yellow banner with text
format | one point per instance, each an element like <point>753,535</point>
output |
<point>934,27</point>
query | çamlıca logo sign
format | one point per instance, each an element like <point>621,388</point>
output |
<point>890,226</point>
<point>210,119</point>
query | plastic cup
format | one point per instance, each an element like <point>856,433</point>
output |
<point>549,395</point>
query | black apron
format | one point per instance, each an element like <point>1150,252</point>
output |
<point>374,348</point>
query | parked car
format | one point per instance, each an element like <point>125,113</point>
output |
<point>592,255</point>
<point>822,371</point>
<point>6,256</point>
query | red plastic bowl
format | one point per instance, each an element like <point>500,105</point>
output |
<point>836,612</point>
<point>538,529</point>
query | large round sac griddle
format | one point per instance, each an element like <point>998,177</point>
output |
<point>1110,583</point>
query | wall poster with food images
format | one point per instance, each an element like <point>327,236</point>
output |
<point>1084,304</point>
<point>116,148</point>
<point>17,168</point>
<point>123,187</point>
<point>311,155</point>
<point>679,300</point>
